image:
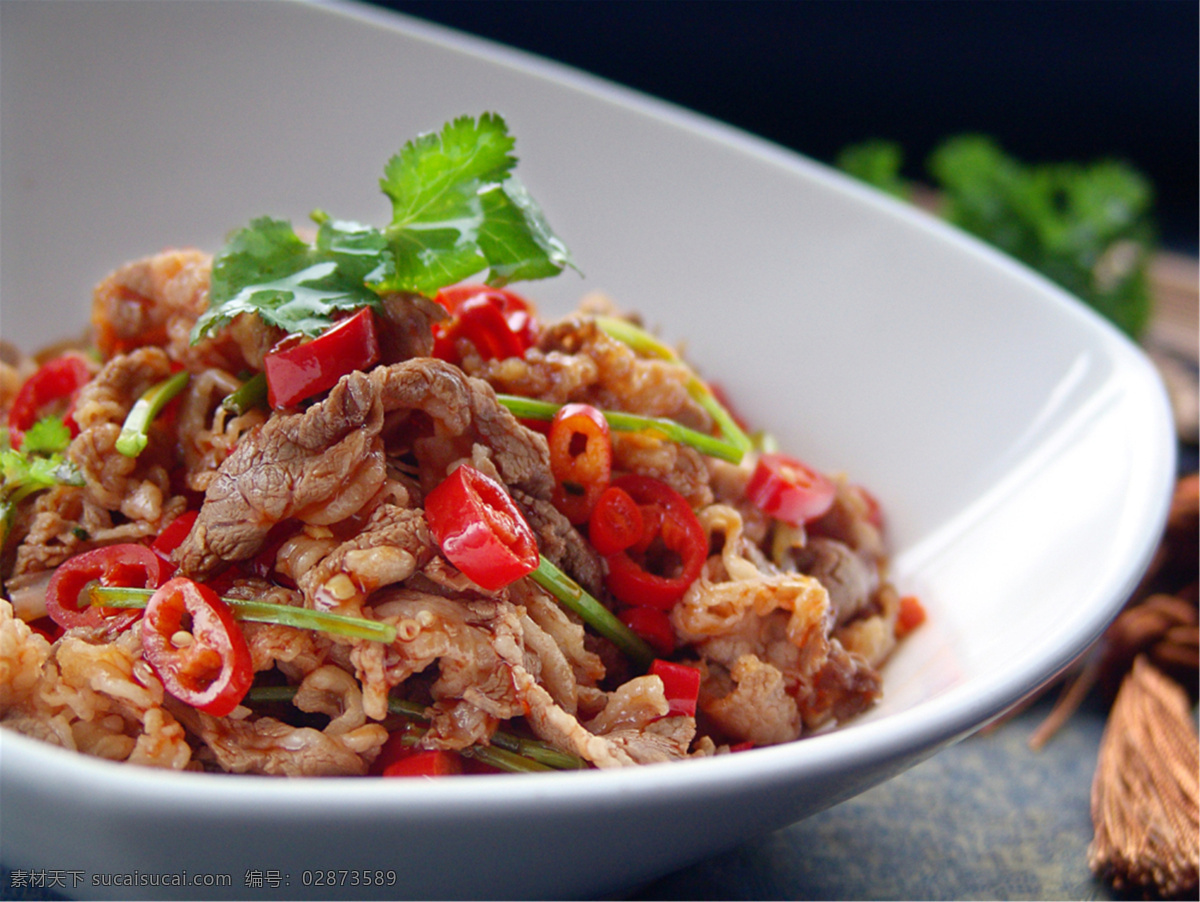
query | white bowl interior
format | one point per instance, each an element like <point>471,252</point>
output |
<point>1021,447</point>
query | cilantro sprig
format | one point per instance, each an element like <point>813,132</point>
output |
<point>40,464</point>
<point>457,212</point>
<point>1088,227</point>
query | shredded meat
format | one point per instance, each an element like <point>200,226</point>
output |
<point>321,507</point>
<point>326,464</point>
<point>97,697</point>
<point>264,745</point>
<point>850,582</point>
<point>319,466</point>
<point>772,631</point>
<point>156,301</point>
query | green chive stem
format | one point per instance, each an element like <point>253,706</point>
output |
<point>544,754</point>
<point>262,612</point>
<point>133,438</point>
<point>530,409</point>
<point>596,615</point>
<point>503,759</point>
<point>642,341</point>
<point>249,395</point>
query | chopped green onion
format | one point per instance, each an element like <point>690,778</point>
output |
<point>530,409</point>
<point>509,752</point>
<point>502,759</point>
<point>263,695</point>
<point>249,395</point>
<point>641,340</point>
<point>596,615</point>
<point>262,612</point>
<point>133,438</point>
<point>540,752</point>
<point>544,754</point>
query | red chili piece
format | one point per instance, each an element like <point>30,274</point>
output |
<point>399,757</point>
<point>670,554</point>
<point>55,382</point>
<point>789,490</point>
<point>498,322</point>
<point>910,616</point>
<point>681,683</point>
<point>172,537</point>
<point>580,459</point>
<point>480,529</point>
<point>616,522</point>
<point>426,763</point>
<point>190,638</point>
<point>128,566</point>
<point>652,625</point>
<point>298,371</point>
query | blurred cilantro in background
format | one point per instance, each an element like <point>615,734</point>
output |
<point>1088,228</point>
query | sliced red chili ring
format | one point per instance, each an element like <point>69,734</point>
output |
<point>194,644</point>
<point>789,490</point>
<point>480,530</point>
<point>669,560</point>
<point>498,322</point>
<point>580,459</point>
<point>616,522</point>
<point>55,383</point>
<point>127,566</point>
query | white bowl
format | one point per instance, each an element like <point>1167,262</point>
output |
<point>1022,448</point>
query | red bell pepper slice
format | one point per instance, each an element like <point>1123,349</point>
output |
<point>788,489</point>
<point>190,638</point>
<point>580,459</point>
<point>671,553</point>
<point>616,522</point>
<point>500,323</point>
<point>652,625</point>
<point>56,382</point>
<point>299,371</point>
<point>681,683</point>
<point>480,530</point>
<point>127,566</point>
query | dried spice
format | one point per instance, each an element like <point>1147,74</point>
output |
<point>1144,794</point>
<point>1147,830</point>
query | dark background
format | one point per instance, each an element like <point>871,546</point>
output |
<point>1053,80</point>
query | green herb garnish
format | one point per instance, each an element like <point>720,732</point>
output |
<point>1086,227</point>
<point>134,434</point>
<point>532,409</point>
<point>457,212</point>
<point>257,611</point>
<point>39,465</point>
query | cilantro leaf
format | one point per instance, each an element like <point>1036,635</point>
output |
<point>39,465</point>
<point>48,435</point>
<point>457,212</point>
<point>877,163</point>
<point>1086,227</point>
<point>266,269</point>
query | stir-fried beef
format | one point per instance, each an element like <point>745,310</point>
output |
<point>322,507</point>
<point>319,466</point>
<point>325,464</point>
